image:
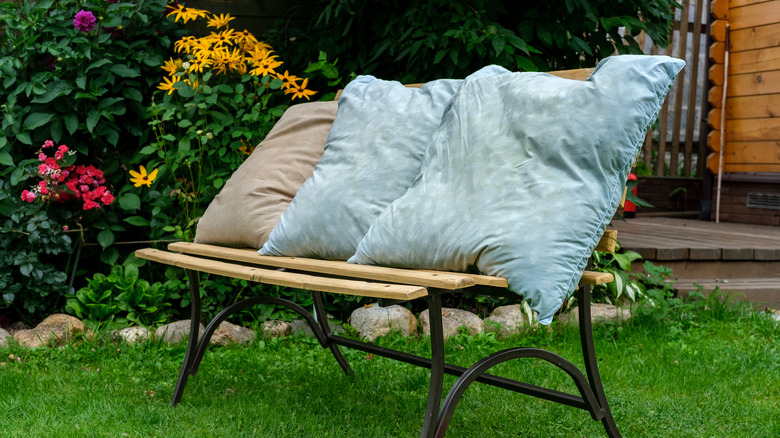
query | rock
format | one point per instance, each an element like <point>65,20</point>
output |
<point>133,335</point>
<point>57,329</point>
<point>452,320</point>
<point>174,332</point>
<point>228,333</point>
<point>506,320</point>
<point>277,329</point>
<point>373,321</point>
<point>4,337</point>
<point>774,314</point>
<point>599,313</point>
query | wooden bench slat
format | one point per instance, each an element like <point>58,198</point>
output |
<point>437,279</point>
<point>592,278</point>
<point>608,241</point>
<point>288,279</point>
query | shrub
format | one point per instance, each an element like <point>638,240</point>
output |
<point>432,39</point>
<point>219,97</point>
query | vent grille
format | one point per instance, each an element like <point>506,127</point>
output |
<point>764,200</point>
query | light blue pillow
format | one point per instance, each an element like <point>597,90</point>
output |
<point>371,157</point>
<point>523,176</point>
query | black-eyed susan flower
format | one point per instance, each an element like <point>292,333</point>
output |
<point>219,39</point>
<point>140,178</point>
<point>184,45</point>
<point>245,37</point>
<point>187,14</point>
<point>218,21</point>
<point>171,66</point>
<point>167,84</point>
<point>264,62</point>
<point>299,90</point>
<point>287,79</point>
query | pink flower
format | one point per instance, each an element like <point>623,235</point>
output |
<point>90,205</point>
<point>84,21</point>
<point>59,155</point>
<point>107,198</point>
<point>28,196</point>
<point>48,144</point>
<point>42,157</point>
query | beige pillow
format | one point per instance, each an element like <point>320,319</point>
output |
<point>259,191</point>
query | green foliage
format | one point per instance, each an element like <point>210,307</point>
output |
<point>430,39</point>
<point>122,296</point>
<point>85,89</point>
<point>34,259</point>
<point>625,286</point>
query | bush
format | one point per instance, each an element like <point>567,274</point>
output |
<point>432,39</point>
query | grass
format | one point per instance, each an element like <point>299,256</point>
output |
<point>708,377</point>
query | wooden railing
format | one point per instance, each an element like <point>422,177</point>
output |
<point>676,145</point>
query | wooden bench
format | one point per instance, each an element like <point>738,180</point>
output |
<point>389,285</point>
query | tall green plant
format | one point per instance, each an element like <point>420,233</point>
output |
<point>421,40</point>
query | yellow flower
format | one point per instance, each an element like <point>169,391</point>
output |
<point>299,90</point>
<point>141,178</point>
<point>288,80</point>
<point>187,14</point>
<point>245,37</point>
<point>198,64</point>
<point>184,44</point>
<point>220,20</point>
<point>219,39</point>
<point>264,62</point>
<point>171,66</point>
<point>167,84</point>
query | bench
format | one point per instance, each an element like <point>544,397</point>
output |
<point>393,285</point>
<point>389,285</point>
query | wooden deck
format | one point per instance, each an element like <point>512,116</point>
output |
<point>734,257</point>
<point>688,239</point>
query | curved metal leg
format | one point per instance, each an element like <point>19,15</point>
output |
<point>334,349</point>
<point>479,368</point>
<point>189,355</point>
<point>591,365</point>
<point>437,365</point>
<point>249,302</point>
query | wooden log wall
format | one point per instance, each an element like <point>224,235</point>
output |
<point>752,118</point>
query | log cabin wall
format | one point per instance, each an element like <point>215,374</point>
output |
<point>750,132</point>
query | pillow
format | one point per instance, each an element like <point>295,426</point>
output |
<point>523,176</point>
<point>248,207</point>
<point>373,153</point>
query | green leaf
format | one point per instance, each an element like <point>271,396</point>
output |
<point>130,201</point>
<point>147,150</point>
<point>6,159</point>
<point>35,120</point>
<point>81,82</point>
<point>112,136</point>
<point>123,71</point>
<point>109,256</point>
<point>218,183</point>
<point>71,122</point>
<point>133,94</point>
<point>137,221</point>
<point>105,238</point>
<point>498,45</point>
<point>24,137</point>
<point>92,120</point>
<point>53,91</point>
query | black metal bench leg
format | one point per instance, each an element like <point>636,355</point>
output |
<point>437,365</point>
<point>591,365</point>
<point>323,320</point>
<point>192,343</point>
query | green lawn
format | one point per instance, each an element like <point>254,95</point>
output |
<point>716,378</point>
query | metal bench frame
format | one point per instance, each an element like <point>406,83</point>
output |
<point>437,414</point>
